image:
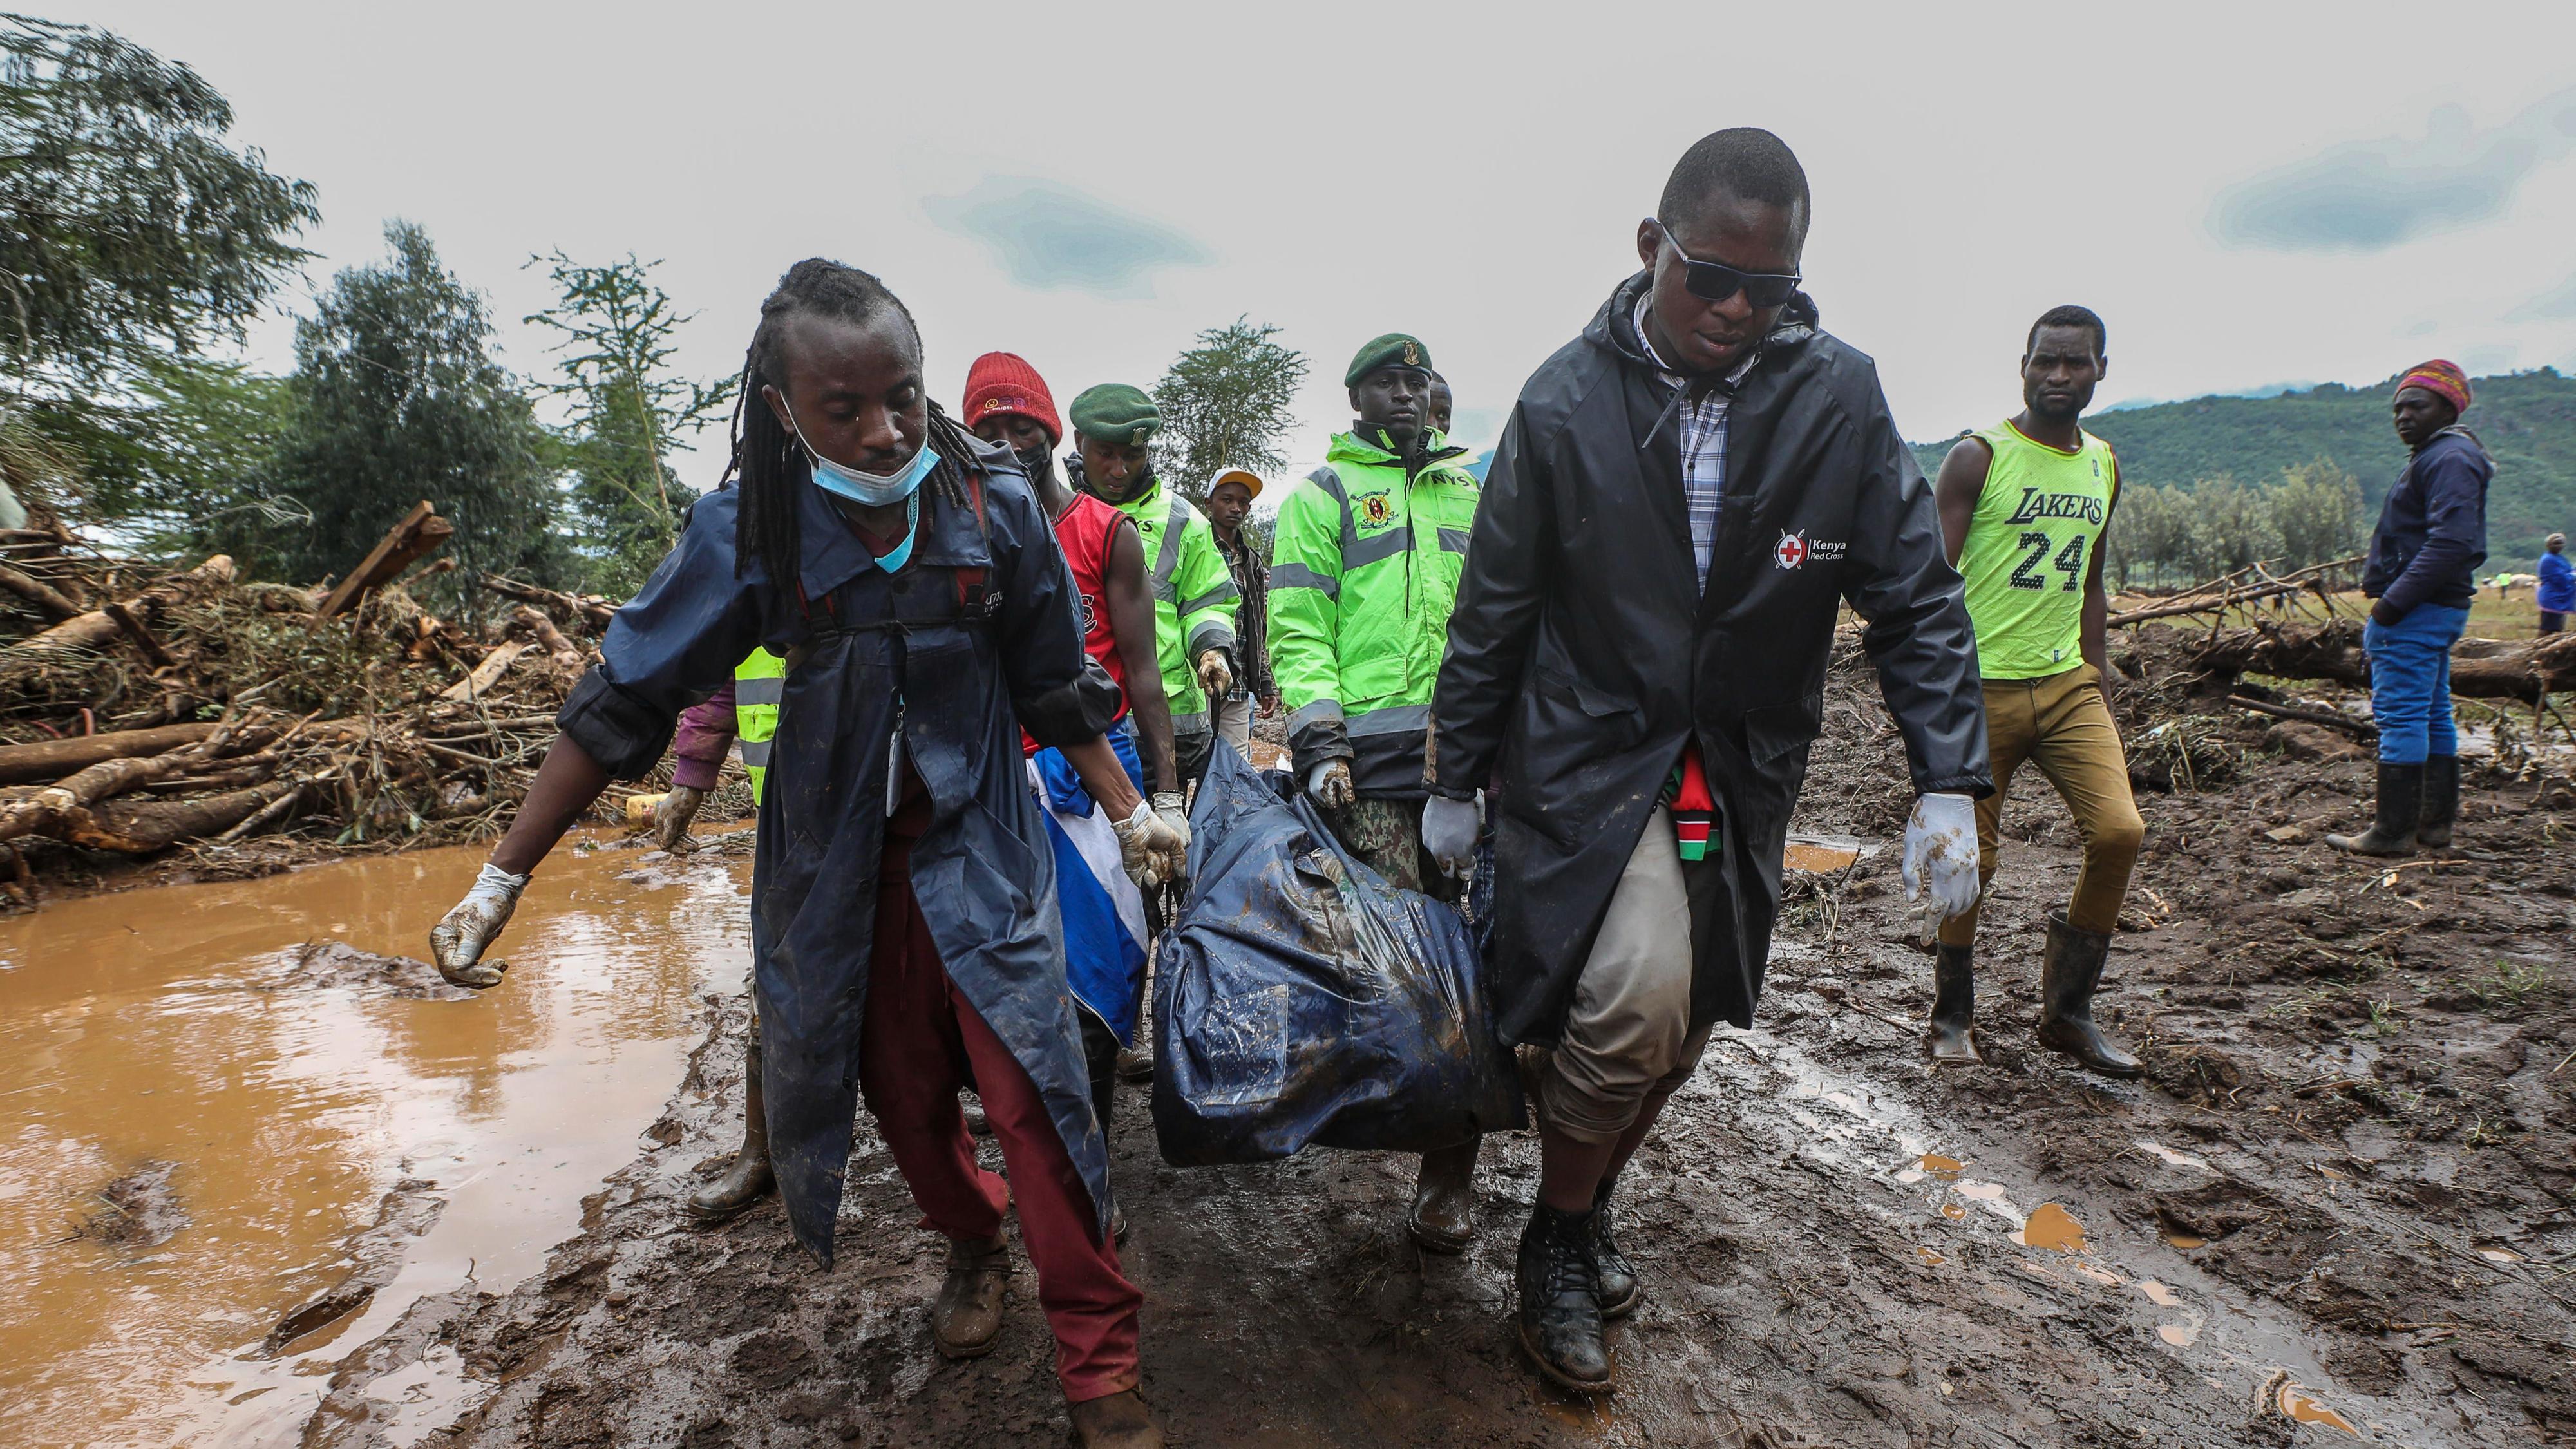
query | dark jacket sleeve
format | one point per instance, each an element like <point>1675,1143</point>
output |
<point>1502,596</point>
<point>1918,634</point>
<point>2455,529</point>
<point>1061,698</point>
<point>673,645</point>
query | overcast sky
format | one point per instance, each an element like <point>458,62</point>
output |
<point>2249,193</point>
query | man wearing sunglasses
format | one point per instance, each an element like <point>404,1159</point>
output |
<point>1682,498</point>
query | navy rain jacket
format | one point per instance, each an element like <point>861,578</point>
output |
<point>2432,532</point>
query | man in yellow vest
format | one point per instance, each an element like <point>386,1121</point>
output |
<point>745,710</point>
<point>2025,506</point>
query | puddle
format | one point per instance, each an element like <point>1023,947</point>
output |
<point>1933,1165</point>
<point>2179,1335</point>
<point>2172,1158</point>
<point>2159,1294</point>
<point>159,1033</point>
<point>2184,1241</point>
<point>2052,1227</point>
<point>2302,1407</point>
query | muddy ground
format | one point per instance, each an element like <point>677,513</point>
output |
<point>2339,1206</point>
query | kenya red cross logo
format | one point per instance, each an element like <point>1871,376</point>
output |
<point>1791,550</point>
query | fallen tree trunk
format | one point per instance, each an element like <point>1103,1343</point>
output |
<point>135,828</point>
<point>53,759</point>
<point>419,531</point>
<point>43,595</point>
<point>96,628</point>
<point>549,638</point>
<point>46,808</point>
<point>2480,668</point>
<point>484,675</point>
<point>593,613</point>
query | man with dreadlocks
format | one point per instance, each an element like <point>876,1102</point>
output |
<point>904,928</point>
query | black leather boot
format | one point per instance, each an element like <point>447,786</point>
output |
<point>2068,979</point>
<point>2401,803</point>
<point>749,1179</point>
<point>1951,1038</point>
<point>1442,1217</point>
<point>2441,802</point>
<point>1620,1292</point>
<point>1560,1309</point>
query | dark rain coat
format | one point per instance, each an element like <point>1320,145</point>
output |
<point>962,661</point>
<point>1583,653</point>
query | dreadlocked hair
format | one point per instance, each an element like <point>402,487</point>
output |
<point>768,464</point>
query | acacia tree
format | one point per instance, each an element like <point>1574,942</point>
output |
<point>1226,402</point>
<point>397,399</point>
<point>615,343</point>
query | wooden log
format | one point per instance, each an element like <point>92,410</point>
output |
<point>96,628</point>
<point>43,595</point>
<point>419,531</point>
<point>141,633</point>
<point>549,638</point>
<point>53,759</point>
<point>2361,727</point>
<point>593,613</point>
<point>486,674</point>
<point>135,828</point>
<point>47,808</point>
<point>2480,668</point>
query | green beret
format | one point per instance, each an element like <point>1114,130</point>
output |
<point>1392,350</point>
<point>1113,412</point>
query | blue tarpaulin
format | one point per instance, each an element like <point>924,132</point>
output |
<point>1301,1000</point>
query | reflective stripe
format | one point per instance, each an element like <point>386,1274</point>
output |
<point>1454,539</point>
<point>755,753</point>
<point>1190,724</point>
<point>1307,714</point>
<point>1217,595</point>
<point>1298,576</point>
<point>1395,719</point>
<point>1363,552</point>
<point>764,689</point>
<point>1210,634</point>
<point>1167,554</point>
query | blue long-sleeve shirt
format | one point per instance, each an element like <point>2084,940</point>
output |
<point>2432,532</point>
<point>2557,584</point>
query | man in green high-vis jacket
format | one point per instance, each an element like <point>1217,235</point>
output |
<point>1364,567</point>
<point>1194,592</point>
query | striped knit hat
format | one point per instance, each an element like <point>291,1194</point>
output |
<point>2442,379</point>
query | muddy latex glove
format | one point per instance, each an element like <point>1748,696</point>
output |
<point>672,814</point>
<point>1449,833</point>
<point>1215,675</point>
<point>1153,849</point>
<point>1941,854</point>
<point>456,943</point>
<point>1330,784</point>
<point>1175,812</point>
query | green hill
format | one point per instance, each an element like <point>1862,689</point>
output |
<point>2526,419</point>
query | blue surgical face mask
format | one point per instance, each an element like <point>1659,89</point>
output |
<point>874,489</point>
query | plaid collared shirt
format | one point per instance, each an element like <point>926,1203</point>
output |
<point>1703,422</point>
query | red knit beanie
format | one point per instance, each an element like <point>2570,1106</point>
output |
<point>1003,382</point>
<point>2442,379</point>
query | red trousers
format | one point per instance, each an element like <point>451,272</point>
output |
<point>921,1043</point>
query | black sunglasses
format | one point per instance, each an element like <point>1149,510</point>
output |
<point>1716,281</point>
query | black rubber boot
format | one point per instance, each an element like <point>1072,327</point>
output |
<point>1442,1218</point>
<point>1560,1289</point>
<point>2401,803</point>
<point>2441,802</point>
<point>749,1179</point>
<point>2068,979</point>
<point>1951,1038</point>
<point>1620,1292</point>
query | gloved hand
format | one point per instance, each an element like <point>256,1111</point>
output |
<point>1941,853</point>
<point>1175,810</point>
<point>1215,675</point>
<point>1330,784</point>
<point>456,943</point>
<point>672,814</point>
<point>1152,848</point>
<point>1449,833</point>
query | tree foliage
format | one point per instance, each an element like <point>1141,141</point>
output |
<point>127,226</point>
<point>189,464</point>
<point>614,330</point>
<point>396,399</point>
<point>1226,402</point>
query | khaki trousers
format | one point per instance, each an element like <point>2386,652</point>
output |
<point>2061,725</point>
<point>1628,1033</point>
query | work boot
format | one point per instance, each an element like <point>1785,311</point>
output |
<point>1119,1421</point>
<point>2068,979</point>
<point>1560,1290</point>
<point>2441,802</point>
<point>749,1179</point>
<point>1620,1292</point>
<point>1442,1218</point>
<point>1135,1065</point>
<point>2401,804</point>
<point>966,1317</point>
<point>1952,1038</point>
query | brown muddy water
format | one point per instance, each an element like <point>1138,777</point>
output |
<point>192,1129</point>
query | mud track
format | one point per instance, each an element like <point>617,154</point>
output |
<point>2342,1198</point>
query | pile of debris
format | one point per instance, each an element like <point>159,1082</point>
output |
<point>143,709</point>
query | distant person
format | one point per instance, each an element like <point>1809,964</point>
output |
<point>2557,595</point>
<point>1230,496</point>
<point>1438,413</point>
<point>2422,571</point>
<point>2026,509</point>
<point>1364,565</point>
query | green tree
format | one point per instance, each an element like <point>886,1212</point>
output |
<point>615,343</point>
<point>1227,402</point>
<point>2231,527</point>
<point>2150,533</point>
<point>2317,509</point>
<point>191,465</point>
<point>127,226</point>
<point>396,399</point>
